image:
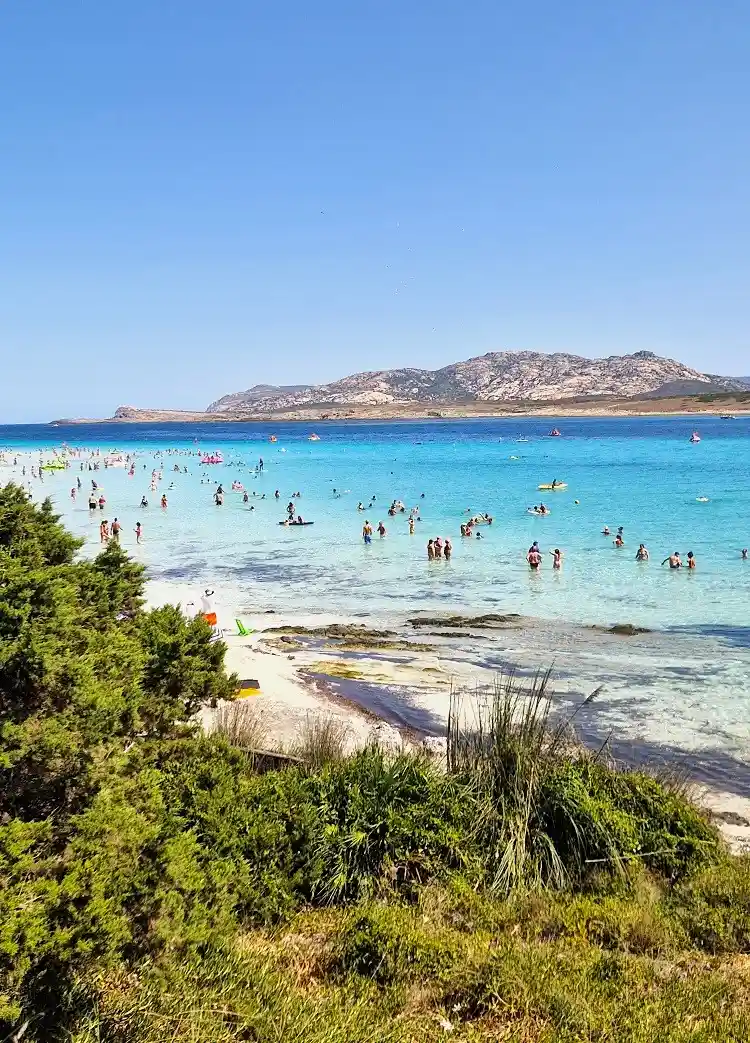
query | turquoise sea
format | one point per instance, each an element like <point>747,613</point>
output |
<point>689,681</point>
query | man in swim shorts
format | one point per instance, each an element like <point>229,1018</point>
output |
<point>367,532</point>
<point>534,558</point>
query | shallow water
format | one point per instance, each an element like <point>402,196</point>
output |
<point>687,685</point>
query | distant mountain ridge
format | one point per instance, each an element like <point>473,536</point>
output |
<point>495,377</point>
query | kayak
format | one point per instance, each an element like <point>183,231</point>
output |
<point>295,525</point>
<point>549,487</point>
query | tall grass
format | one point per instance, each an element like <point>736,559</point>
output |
<point>240,723</point>
<point>321,740</point>
<point>540,819</point>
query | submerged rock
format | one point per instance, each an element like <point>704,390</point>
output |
<point>625,629</point>
<point>488,619</point>
<point>341,631</point>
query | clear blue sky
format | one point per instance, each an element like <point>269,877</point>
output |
<point>199,196</point>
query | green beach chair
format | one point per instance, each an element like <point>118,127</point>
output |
<point>242,629</point>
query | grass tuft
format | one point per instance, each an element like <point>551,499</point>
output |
<point>321,740</point>
<point>240,723</point>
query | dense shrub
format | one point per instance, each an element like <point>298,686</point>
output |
<point>386,943</point>
<point>399,817</point>
<point>714,907</point>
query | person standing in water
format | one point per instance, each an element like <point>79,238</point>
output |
<point>104,532</point>
<point>675,562</point>
<point>691,562</point>
<point>447,549</point>
<point>556,558</point>
<point>430,550</point>
<point>641,554</point>
<point>411,525</point>
<point>534,558</point>
<point>116,530</point>
<point>164,501</point>
<point>367,532</point>
<point>138,532</point>
<point>381,530</point>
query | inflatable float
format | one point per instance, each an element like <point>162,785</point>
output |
<point>549,487</point>
<point>294,524</point>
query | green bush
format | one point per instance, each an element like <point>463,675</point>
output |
<point>390,943</point>
<point>714,907</point>
<point>550,814</point>
<point>395,820</point>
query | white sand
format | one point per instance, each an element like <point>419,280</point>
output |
<point>287,697</point>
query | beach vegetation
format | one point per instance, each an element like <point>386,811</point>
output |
<point>321,739</point>
<point>158,883</point>
<point>242,724</point>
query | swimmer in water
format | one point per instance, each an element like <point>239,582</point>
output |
<point>641,554</point>
<point>691,562</point>
<point>743,552</point>
<point>411,525</point>
<point>534,558</point>
<point>675,562</point>
<point>447,549</point>
<point>605,531</point>
<point>618,540</point>
<point>381,530</point>
<point>430,550</point>
<point>556,558</point>
<point>144,502</point>
<point>138,532</point>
